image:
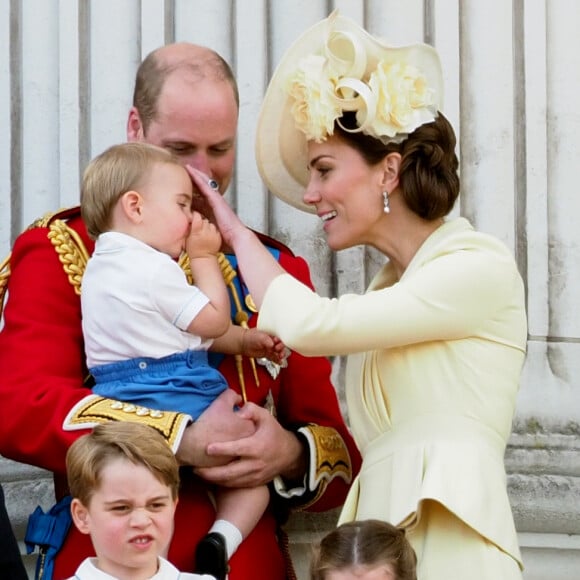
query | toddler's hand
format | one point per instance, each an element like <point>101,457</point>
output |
<point>258,344</point>
<point>204,238</point>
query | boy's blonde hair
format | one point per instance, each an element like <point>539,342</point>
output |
<point>139,444</point>
<point>108,176</point>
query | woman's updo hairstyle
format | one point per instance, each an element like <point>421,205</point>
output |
<point>428,177</point>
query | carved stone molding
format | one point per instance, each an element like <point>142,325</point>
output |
<point>544,481</point>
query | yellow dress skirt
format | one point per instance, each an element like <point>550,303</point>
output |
<point>449,494</point>
<point>449,549</point>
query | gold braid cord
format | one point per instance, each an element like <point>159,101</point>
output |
<point>71,251</point>
<point>241,317</point>
<point>4,275</point>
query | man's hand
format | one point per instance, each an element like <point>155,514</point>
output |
<point>219,422</point>
<point>256,459</point>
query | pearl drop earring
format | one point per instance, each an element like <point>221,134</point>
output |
<point>386,206</point>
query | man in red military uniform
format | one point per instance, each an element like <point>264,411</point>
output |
<point>291,432</point>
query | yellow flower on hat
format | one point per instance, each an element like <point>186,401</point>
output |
<point>391,100</point>
<point>404,101</point>
<point>314,106</point>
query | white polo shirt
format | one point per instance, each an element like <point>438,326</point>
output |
<point>136,302</point>
<point>88,571</point>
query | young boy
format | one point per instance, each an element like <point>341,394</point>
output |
<point>146,329</point>
<point>124,480</point>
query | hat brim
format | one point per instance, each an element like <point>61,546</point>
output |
<point>281,148</point>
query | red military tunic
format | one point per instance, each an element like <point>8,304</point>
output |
<point>42,372</point>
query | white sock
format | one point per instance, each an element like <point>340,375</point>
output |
<point>232,535</point>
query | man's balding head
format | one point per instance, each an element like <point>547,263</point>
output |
<point>194,62</point>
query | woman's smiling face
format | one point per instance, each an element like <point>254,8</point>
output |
<point>346,192</point>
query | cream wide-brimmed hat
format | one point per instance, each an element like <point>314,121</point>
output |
<point>334,67</point>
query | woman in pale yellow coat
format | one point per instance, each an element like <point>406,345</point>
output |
<point>352,129</point>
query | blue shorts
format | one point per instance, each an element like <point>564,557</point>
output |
<point>183,382</point>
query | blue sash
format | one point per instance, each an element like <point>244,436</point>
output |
<point>48,531</point>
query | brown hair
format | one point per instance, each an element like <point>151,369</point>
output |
<point>200,62</point>
<point>364,543</point>
<point>428,177</point>
<point>108,176</point>
<point>139,444</point>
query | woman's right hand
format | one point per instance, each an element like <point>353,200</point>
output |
<point>258,266</point>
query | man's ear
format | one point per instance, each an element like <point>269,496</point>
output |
<point>80,516</point>
<point>132,204</point>
<point>135,130</point>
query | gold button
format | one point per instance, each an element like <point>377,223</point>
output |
<point>250,303</point>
